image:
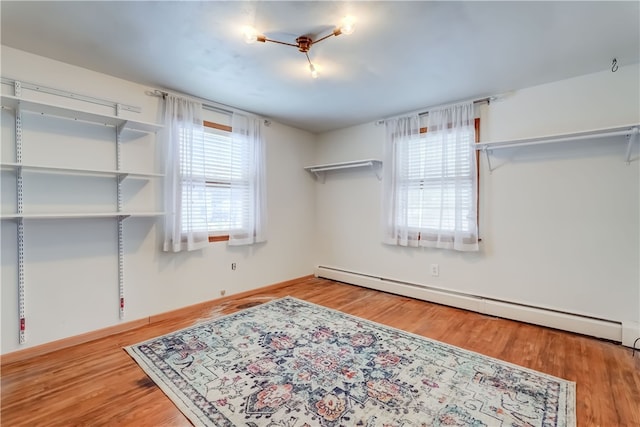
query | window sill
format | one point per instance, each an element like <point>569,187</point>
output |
<point>218,238</point>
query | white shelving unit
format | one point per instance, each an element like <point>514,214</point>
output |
<point>20,105</point>
<point>630,132</point>
<point>321,170</point>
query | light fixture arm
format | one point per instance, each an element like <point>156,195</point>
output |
<point>263,39</point>
<point>335,32</point>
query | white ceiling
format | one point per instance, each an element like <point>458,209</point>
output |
<point>403,56</point>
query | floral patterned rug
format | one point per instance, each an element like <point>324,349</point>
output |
<point>290,363</point>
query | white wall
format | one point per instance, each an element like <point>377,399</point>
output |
<point>560,224</point>
<point>71,265</point>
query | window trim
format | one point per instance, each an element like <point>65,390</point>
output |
<point>216,237</point>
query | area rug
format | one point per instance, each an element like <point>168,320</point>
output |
<point>290,363</point>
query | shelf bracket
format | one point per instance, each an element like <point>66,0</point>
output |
<point>376,171</point>
<point>323,174</point>
<point>487,154</point>
<point>633,138</point>
<point>120,128</point>
<point>17,88</point>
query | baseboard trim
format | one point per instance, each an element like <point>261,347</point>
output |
<point>600,328</point>
<point>39,350</point>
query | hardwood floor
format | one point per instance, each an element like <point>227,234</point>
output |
<point>97,383</point>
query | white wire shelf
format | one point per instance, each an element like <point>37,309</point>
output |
<point>564,137</point>
<point>80,215</point>
<point>77,171</point>
<point>13,102</point>
<point>628,131</point>
<point>321,170</point>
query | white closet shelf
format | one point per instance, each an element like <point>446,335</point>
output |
<point>77,171</point>
<point>63,215</point>
<point>13,102</point>
<point>626,130</point>
<point>630,131</point>
<point>373,164</point>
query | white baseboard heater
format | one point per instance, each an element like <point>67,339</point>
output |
<point>601,328</point>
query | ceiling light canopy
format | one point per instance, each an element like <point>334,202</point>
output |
<point>303,43</point>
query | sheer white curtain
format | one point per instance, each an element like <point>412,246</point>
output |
<point>400,134</point>
<point>248,182</point>
<point>185,225</point>
<point>430,180</point>
<point>452,223</point>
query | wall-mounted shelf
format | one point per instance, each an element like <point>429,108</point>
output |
<point>77,171</point>
<point>80,215</point>
<point>14,102</point>
<point>321,170</point>
<point>628,131</point>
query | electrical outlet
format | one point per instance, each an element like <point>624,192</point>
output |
<point>233,265</point>
<point>222,292</point>
<point>435,270</point>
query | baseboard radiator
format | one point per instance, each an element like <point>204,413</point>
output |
<point>599,328</point>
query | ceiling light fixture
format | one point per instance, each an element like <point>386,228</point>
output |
<point>303,43</point>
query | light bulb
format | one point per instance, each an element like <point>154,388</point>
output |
<point>250,34</point>
<point>314,72</point>
<point>348,25</point>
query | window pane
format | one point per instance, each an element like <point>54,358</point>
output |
<point>437,173</point>
<point>212,167</point>
<point>218,207</point>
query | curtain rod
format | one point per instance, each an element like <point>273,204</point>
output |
<point>206,104</point>
<point>484,100</point>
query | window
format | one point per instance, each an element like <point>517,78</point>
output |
<point>440,184</point>
<point>430,185</point>
<point>213,174</point>
<point>215,166</point>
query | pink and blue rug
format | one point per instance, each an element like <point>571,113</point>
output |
<point>290,363</point>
